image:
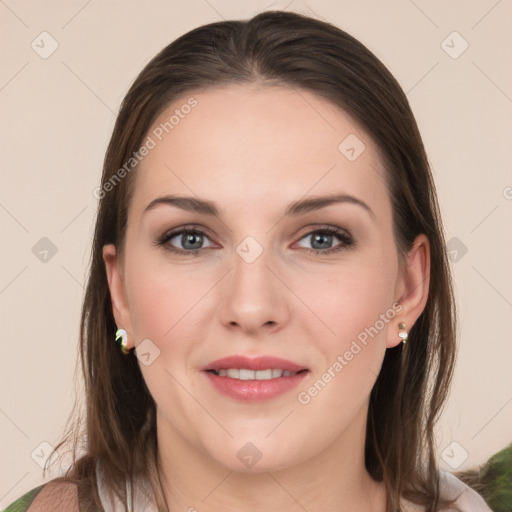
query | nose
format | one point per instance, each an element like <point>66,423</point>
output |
<point>253,297</point>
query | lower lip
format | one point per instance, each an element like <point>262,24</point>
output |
<point>254,390</point>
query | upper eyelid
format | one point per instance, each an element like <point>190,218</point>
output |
<point>171,233</point>
<point>201,229</point>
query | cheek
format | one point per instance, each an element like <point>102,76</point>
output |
<point>162,299</point>
<point>354,310</point>
<point>350,301</point>
<point>171,307</point>
<point>358,310</point>
<point>152,308</point>
<point>162,308</point>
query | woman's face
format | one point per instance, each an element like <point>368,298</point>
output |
<point>260,278</point>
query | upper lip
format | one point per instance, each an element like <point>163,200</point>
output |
<point>254,363</point>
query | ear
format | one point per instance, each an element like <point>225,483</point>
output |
<point>115,280</point>
<point>412,288</point>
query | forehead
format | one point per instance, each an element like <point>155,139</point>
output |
<point>240,143</point>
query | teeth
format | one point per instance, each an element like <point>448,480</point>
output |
<point>263,374</point>
<point>245,374</point>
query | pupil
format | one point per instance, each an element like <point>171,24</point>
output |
<point>190,238</point>
<point>325,237</point>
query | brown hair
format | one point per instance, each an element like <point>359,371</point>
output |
<point>291,50</point>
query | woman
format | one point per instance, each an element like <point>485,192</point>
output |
<point>269,259</point>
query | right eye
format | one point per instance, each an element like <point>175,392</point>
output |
<point>191,240</point>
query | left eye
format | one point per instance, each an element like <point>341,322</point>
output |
<point>323,239</point>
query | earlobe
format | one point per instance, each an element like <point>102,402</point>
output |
<point>115,281</point>
<point>414,288</point>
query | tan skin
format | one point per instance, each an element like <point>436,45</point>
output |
<point>253,150</point>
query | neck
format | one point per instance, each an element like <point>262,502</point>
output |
<point>335,479</point>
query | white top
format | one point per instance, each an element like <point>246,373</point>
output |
<point>450,487</point>
<point>143,496</point>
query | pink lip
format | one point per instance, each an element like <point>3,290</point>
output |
<point>254,390</point>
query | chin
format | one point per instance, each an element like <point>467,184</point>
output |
<point>258,456</point>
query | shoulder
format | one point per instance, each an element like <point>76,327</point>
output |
<point>467,499</point>
<point>56,496</point>
<point>53,496</point>
<point>23,502</point>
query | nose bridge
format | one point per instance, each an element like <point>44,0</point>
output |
<point>252,296</point>
<point>251,276</point>
<point>251,261</point>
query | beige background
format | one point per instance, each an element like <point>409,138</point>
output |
<point>57,117</point>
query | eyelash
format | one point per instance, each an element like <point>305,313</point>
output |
<point>344,237</point>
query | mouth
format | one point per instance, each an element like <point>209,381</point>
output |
<point>254,379</point>
<point>247,374</point>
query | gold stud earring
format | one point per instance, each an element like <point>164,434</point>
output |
<point>402,334</point>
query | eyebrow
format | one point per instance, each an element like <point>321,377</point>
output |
<point>300,207</point>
